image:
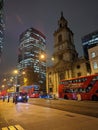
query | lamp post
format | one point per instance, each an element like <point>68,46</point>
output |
<point>49,62</point>
<point>16,88</point>
<point>24,78</point>
<point>42,70</point>
<point>49,77</point>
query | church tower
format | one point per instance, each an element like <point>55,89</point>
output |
<point>64,49</point>
<point>67,64</point>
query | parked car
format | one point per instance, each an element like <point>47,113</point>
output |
<point>45,96</point>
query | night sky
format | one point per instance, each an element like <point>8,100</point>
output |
<point>43,15</point>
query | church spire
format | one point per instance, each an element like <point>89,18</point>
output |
<point>61,13</point>
<point>62,21</point>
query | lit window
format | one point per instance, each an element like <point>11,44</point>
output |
<point>93,54</point>
<point>95,65</point>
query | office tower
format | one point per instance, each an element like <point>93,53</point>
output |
<point>93,59</point>
<point>1,27</point>
<point>88,41</point>
<point>31,46</point>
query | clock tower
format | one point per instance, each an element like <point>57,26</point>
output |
<point>64,49</point>
<point>67,64</point>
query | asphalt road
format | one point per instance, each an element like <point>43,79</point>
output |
<point>89,108</point>
<point>27,116</point>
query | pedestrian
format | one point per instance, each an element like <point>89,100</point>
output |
<point>8,98</point>
<point>78,97</point>
<point>16,99</point>
<point>13,98</point>
<point>3,98</point>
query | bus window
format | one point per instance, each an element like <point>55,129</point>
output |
<point>73,81</point>
<point>70,81</point>
<point>83,90</point>
<point>95,78</point>
<point>68,90</point>
<point>75,90</point>
<point>89,88</point>
<point>96,91</point>
<point>80,90</point>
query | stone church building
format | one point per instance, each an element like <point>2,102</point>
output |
<point>66,63</point>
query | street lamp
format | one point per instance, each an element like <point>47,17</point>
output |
<point>42,57</point>
<point>24,78</point>
<point>49,77</point>
<point>52,58</point>
<point>3,86</point>
<point>49,61</point>
<point>42,70</point>
<point>16,88</point>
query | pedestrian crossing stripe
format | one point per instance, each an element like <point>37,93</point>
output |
<point>19,127</point>
<point>4,128</point>
<point>15,127</point>
<point>12,128</point>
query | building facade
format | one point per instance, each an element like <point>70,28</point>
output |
<point>1,27</point>
<point>31,46</point>
<point>88,41</point>
<point>66,62</point>
<point>93,58</point>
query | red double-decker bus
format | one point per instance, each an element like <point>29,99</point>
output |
<point>32,91</point>
<point>85,86</point>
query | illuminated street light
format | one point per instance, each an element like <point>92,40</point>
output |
<point>16,88</point>
<point>4,80</point>
<point>3,86</point>
<point>23,72</point>
<point>15,71</point>
<point>52,58</point>
<point>42,57</point>
<point>11,79</point>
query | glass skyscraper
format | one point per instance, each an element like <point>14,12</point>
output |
<point>32,44</point>
<point>89,41</point>
<point>1,27</point>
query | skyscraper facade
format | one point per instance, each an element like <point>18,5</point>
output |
<point>93,59</point>
<point>1,27</point>
<point>88,41</point>
<point>32,45</point>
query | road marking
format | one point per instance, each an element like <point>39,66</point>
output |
<point>11,127</point>
<point>19,127</point>
<point>4,128</point>
<point>16,127</point>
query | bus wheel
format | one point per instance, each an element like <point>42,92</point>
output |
<point>94,98</point>
<point>65,97</point>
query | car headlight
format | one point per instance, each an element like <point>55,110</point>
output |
<point>20,97</point>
